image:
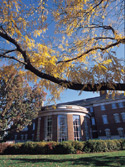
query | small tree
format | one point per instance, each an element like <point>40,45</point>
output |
<point>19,103</point>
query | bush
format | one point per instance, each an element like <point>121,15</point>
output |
<point>66,147</point>
<point>13,149</point>
<point>78,145</point>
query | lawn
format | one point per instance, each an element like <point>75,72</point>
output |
<point>111,159</point>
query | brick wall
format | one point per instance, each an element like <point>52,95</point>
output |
<point>70,127</point>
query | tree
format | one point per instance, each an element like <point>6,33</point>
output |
<point>19,103</point>
<point>80,55</point>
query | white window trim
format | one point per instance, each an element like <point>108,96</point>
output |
<point>116,118</point>
<point>123,116</point>
<point>114,106</point>
<point>102,107</point>
<point>105,119</point>
<point>78,126</point>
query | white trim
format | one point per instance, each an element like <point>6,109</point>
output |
<point>67,108</point>
<point>63,113</point>
<point>110,102</point>
<point>112,137</point>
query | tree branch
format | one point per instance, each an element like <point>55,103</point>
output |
<point>93,49</point>
<point>62,82</point>
<point>13,58</point>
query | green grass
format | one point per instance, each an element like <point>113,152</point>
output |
<point>112,159</point>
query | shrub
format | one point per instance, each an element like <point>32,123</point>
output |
<point>78,145</point>
<point>13,149</point>
<point>64,148</point>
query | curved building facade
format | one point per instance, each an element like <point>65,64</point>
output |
<point>64,122</point>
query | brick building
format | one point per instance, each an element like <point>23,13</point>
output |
<point>91,118</point>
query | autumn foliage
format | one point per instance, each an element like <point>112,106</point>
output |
<point>19,103</point>
<point>64,44</point>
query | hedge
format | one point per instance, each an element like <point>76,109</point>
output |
<point>66,147</point>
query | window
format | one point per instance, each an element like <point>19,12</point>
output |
<point>102,107</point>
<point>123,116</point>
<point>25,129</point>
<point>91,109</point>
<point>32,137</point>
<point>114,106</point>
<point>76,127</point>
<point>104,118</point>
<point>93,120</point>
<point>116,118</point>
<point>22,137</point>
<point>120,104</point>
<point>26,136</point>
<point>120,132</point>
<point>87,136</point>
<point>107,133</point>
<point>15,137</point>
<point>48,128</point>
<point>62,128</point>
<point>33,125</point>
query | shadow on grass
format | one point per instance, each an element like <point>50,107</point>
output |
<point>86,161</point>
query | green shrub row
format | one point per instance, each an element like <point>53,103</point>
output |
<point>67,147</point>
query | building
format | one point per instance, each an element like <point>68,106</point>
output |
<point>93,118</point>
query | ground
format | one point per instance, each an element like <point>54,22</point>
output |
<point>112,159</point>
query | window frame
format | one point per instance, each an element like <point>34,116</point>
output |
<point>93,120</point>
<point>105,119</point>
<point>123,116</point>
<point>114,106</point>
<point>102,107</point>
<point>77,127</point>
<point>62,128</point>
<point>91,109</point>
<point>116,118</point>
<point>119,132</point>
<point>108,133</point>
<point>48,128</point>
<point>121,105</point>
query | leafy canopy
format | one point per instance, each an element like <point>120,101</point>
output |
<point>19,103</point>
<point>67,43</point>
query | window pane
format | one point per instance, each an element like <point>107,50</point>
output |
<point>102,107</point>
<point>34,126</point>
<point>107,132</point>
<point>62,128</point>
<point>76,127</point>
<point>120,104</point>
<point>120,132</point>
<point>93,120</point>
<point>123,116</point>
<point>116,118</point>
<point>104,118</point>
<point>48,128</point>
<point>114,106</point>
<point>91,109</point>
